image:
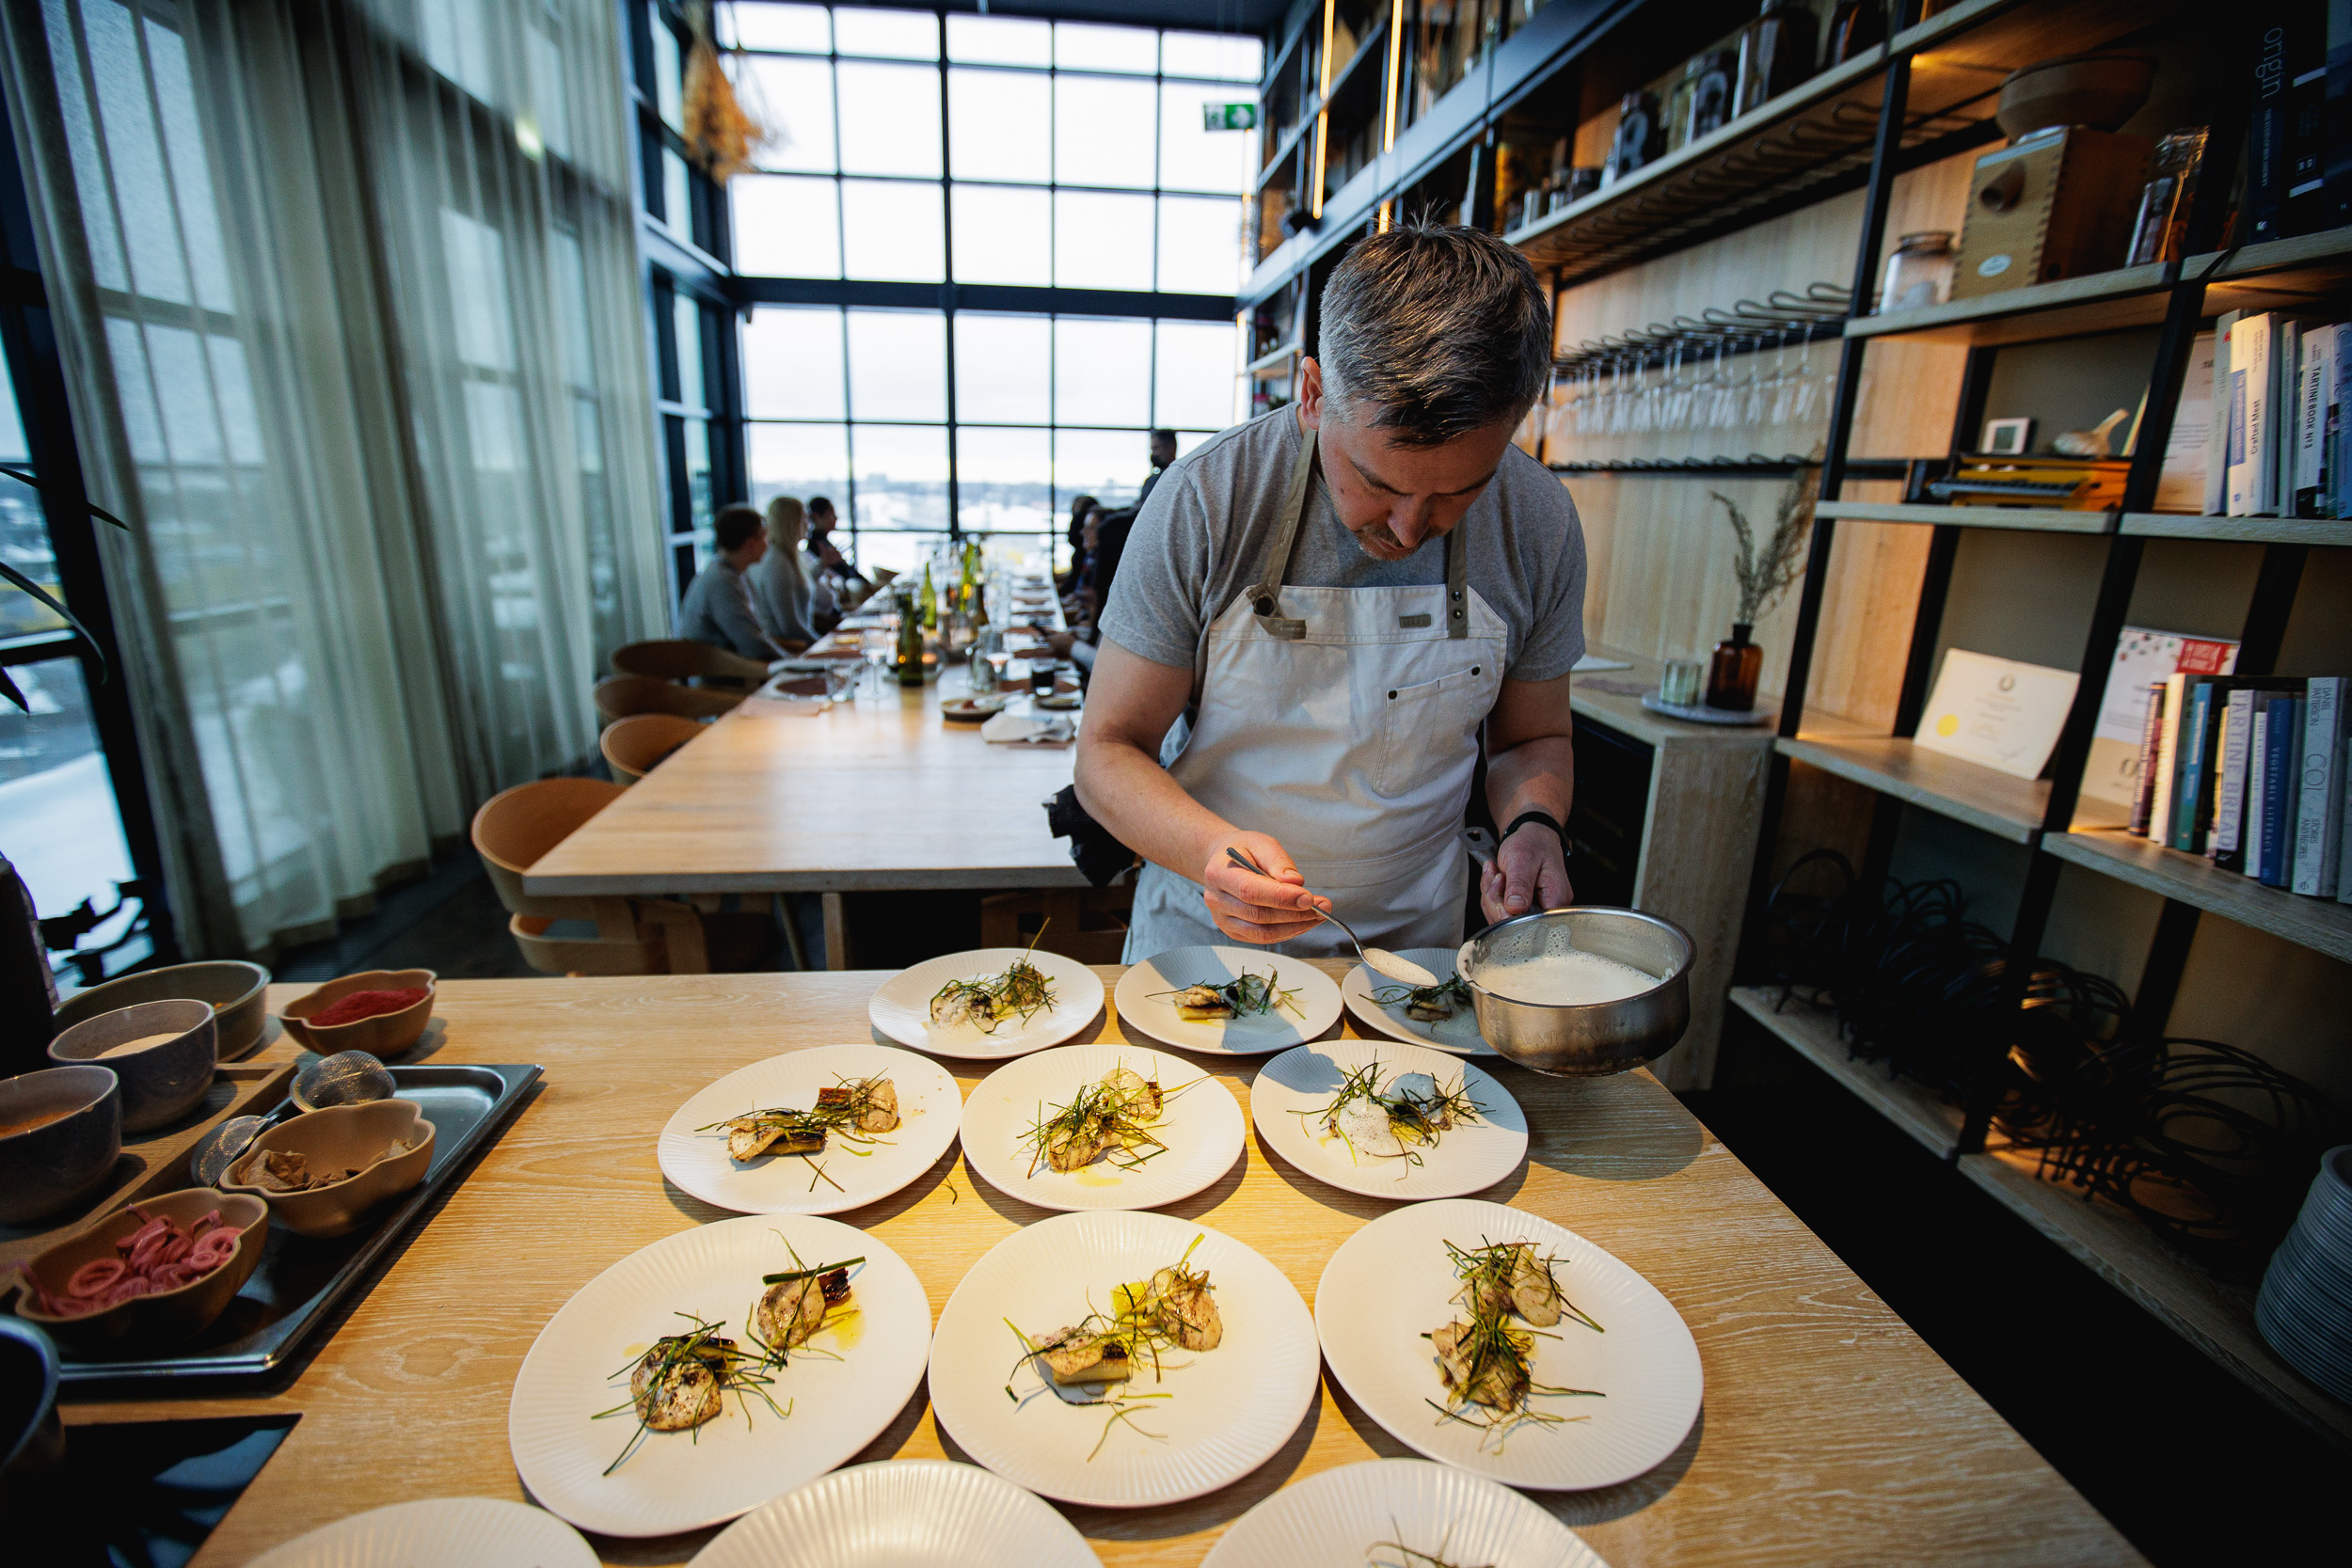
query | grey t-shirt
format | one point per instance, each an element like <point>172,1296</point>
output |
<point>1210,519</point>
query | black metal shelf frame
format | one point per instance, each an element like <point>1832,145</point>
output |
<point>2273,597</point>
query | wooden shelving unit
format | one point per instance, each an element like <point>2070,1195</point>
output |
<point>2244,530</point>
<point>2067,307</point>
<point>2321,924</point>
<point>1926,96</point>
<point>2037,519</point>
<point>1812,1033</point>
<point>1964,791</point>
<point>2216,1316</point>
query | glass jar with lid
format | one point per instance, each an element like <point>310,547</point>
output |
<point>1919,273</point>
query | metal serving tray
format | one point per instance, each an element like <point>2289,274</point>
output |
<point>300,1279</point>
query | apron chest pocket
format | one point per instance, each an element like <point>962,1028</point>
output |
<point>1423,728</point>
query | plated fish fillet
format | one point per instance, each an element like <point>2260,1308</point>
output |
<point>675,1392</point>
<point>874,1103</point>
<point>1187,1309</point>
<point>1531,1291</point>
<point>1470,1364</point>
<point>1075,1356</point>
<point>795,1309</point>
<point>1202,1005</point>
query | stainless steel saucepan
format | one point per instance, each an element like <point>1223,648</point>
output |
<point>1596,1038</point>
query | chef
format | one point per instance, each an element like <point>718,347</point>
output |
<point>1324,615</point>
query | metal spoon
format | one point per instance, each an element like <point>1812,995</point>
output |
<point>346,1078</point>
<point>1403,971</point>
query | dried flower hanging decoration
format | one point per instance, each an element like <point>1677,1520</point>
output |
<point>720,135</point>
<point>1765,577</point>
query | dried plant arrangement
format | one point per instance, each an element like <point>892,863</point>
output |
<point>720,135</point>
<point>1765,575</point>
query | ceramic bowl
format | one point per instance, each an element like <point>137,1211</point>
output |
<point>32,1439</point>
<point>161,1081</point>
<point>233,987</point>
<point>167,1317</point>
<point>337,1138</point>
<point>46,1167</point>
<point>384,1035</point>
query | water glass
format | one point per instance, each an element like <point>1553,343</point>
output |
<point>1683,681</point>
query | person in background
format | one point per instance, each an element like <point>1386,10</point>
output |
<point>1076,601</point>
<point>842,582</point>
<point>1163,453</point>
<point>782,596</point>
<point>1068,581</point>
<point>717,605</point>
<point>1106,541</point>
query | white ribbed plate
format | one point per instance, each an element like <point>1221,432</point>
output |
<point>1458,1034</point>
<point>902,1008</point>
<point>438,1533</point>
<point>1232,1406</point>
<point>1200,1123</point>
<point>1363,1514</point>
<point>1142,1004</point>
<point>902,1513</point>
<point>1392,1282</point>
<point>1473,1156</point>
<point>930,1105</point>
<point>679,1480</point>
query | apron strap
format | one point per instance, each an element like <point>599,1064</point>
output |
<point>1265,595</point>
<point>1456,585</point>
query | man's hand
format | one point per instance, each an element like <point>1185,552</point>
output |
<point>827,556</point>
<point>1061,642</point>
<point>1250,907</point>
<point>1528,872</point>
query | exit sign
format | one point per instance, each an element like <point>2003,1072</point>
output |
<point>1229,117</point>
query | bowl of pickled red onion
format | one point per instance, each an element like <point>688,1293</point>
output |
<point>156,1272</point>
<point>382,1013</point>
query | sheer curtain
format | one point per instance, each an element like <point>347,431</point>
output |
<point>348,298</point>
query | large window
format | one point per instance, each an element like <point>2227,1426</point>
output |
<point>1052,187</point>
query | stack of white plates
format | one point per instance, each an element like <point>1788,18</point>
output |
<point>2304,1309</point>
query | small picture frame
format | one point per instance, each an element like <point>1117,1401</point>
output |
<point>2008,437</point>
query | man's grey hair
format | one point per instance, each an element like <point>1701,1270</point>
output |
<point>1430,332</point>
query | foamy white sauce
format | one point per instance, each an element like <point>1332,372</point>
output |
<point>1565,979</point>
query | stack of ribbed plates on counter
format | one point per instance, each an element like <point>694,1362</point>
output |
<point>2304,1309</point>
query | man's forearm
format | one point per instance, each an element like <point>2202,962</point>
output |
<point>1127,791</point>
<point>1537,774</point>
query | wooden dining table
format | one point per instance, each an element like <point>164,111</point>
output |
<point>880,793</point>
<point>1830,1434</point>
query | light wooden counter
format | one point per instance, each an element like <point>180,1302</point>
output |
<point>1830,1434</point>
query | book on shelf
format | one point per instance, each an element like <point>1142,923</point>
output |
<point>2251,463</point>
<point>2144,657</point>
<point>2336,161</point>
<point>2283,735</point>
<point>2257,791</point>
<point>2318,831</point>
<point>2228,846</point>
<point>2199,790</point>
<point>2219,397</point>
<point>2314,395</point>
<point>2181,483</point>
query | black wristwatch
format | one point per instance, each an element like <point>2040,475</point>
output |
<point>1546,818</point>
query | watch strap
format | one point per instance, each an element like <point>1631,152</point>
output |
<point>1544,817</point>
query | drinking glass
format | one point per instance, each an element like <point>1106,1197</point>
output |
<point>875,642</point>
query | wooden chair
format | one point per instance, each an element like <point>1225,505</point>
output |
<point>625,696</point>
<point>1085,923</point>
<point>635,746</point>
<point>634,936</point>
<point>676,659</point>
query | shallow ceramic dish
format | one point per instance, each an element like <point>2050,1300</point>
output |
<point>902,1510</point>
<point>233,987</point>
<point>337,1138</point>
<point>44,1168</point>
<point>438,1533</point>
<point>32,1439</point>
<point>159,1081</point>
<point>1398,1511</point>
<point>971,710</point>
<point>384,1035</point>
<point>166,1317</point>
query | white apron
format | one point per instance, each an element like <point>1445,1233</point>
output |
<point>1343,722</point>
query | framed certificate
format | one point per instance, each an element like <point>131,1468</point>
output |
<point>1996,711</point>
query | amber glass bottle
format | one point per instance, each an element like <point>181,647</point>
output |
<point>1732,674</point>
